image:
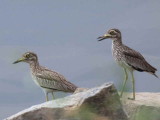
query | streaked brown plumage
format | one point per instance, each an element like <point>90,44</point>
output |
<point>126,57</point>
<point>50,81</point>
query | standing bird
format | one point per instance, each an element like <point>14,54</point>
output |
<point>127,58</point>
<point>50,81</point>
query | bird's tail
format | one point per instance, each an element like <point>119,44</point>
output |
<point>155,75</point>
<point>152,70</point>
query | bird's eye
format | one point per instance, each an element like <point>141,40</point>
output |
<point>27,55</point>
<point>112,32</point>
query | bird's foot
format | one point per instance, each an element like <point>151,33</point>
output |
<point>131,98</point>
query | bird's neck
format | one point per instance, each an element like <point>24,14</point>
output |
<point>34,65</point>
<point>117,42</point>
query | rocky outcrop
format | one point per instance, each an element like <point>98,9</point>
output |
<point>100,103</point>
<point>145,107</point>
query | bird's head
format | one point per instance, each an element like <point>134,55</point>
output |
<point>28,57</point>
<point>112,34</point>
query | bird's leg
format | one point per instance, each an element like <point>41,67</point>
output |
<point>133,86</point>
<point>52,96</point>
<point>125,81</point>
<point>46,94</point>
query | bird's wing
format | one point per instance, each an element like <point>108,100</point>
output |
<point>136,60</point>
<point>53,80</point>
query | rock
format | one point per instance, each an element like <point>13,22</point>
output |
<point>100,103</point>
<point>80,90</point>
<point>145,107</point>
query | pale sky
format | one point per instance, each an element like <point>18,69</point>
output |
<point>64,35</point>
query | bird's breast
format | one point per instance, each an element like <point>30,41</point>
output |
<point>35,79</point>
<point>117,53</point>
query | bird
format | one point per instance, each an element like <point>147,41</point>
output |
<point>49,80</point>
<point>129,59</point>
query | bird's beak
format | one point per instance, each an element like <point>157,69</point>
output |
<point>19,60</point>
<point>105,36</point>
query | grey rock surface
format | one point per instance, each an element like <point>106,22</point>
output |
<point>99,103</point>
<point>145,107</point>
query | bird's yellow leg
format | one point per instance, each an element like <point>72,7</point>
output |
<point>52,96</point>
<point>46,94</point>
<point>133,86</point>
<point>125,81</point>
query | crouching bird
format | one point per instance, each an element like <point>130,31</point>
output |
<point>50,81</point>
<point>127,58</point>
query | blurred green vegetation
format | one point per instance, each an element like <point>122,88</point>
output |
<point>147,113</point>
